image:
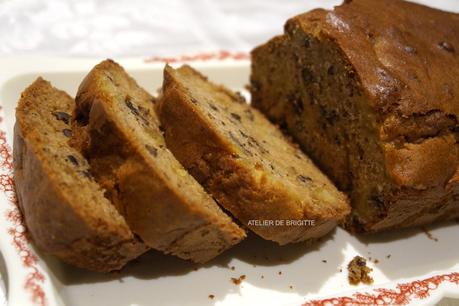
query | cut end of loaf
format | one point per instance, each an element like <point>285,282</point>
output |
<point>350,85</point>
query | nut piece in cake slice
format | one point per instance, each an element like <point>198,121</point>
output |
<point>245,162</point>
<point>160,200</point>
<point>64,209</point>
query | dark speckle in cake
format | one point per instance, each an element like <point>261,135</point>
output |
<point>152,150</point>
<point>331,70</point>
<point>307,75</point>
<point>67,132</point>
<point>243,134</point>
<point>72,159</point>
<point>132,107</point>
<point>377,201</point>
<point>109,76</point>
<point>253,142</point>
<point>446,46</point>
<point>213,107</point>
<point>82,118</point>
<point>236,116</point>
<point>412,76</point>
<point>62,116</point>
<point>370,36</point>
<point>141,113</point>
<point>194,101</point>
<point>304,178</point>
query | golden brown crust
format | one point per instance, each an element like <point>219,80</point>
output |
<point>161,202</point>
<point>60,221</point>
<point>230,168</point>
<point>399,59</point>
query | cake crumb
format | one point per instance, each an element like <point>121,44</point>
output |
<point>376,261</point>
<point>233,268</point>
<point>238,281</point>
<point>429,234</point>
<point>262,276</point>
<point>280,273</point>
<point>324,261</point>
<point>211,296</point>
<point>340,270</point>
<point>359,272</point>
<point>291,287</point>
<point>388,256</point>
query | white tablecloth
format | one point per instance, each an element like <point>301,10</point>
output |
<point>116,28</point>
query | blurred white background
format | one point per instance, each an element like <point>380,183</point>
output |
<point>140,27</point>
<point>114,28</point>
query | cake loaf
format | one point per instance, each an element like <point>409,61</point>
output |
<point>162,203</point>
<point>64,209</point>
<point>245,162</point>
<point>370,91</point>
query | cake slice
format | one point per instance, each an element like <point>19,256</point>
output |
<point>245,162</point>
<point>370,91</point>
<point>64,209</point>
<point>161,201</point>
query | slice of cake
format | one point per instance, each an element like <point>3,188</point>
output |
<point>162,203</point>
<point>245,162</point>
<point>370,91</point>
<point>64,209</point>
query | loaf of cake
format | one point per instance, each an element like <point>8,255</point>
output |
<point>118,131</point>
<point>245,162</point>
<point>64,209</point>
<point>370,90</point>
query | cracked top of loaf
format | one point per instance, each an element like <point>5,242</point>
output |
<point>407,55</point>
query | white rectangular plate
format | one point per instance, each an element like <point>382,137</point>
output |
<point>411,268</point>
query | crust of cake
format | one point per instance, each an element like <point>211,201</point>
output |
<point>58,222</point>
<point>176,218</point>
